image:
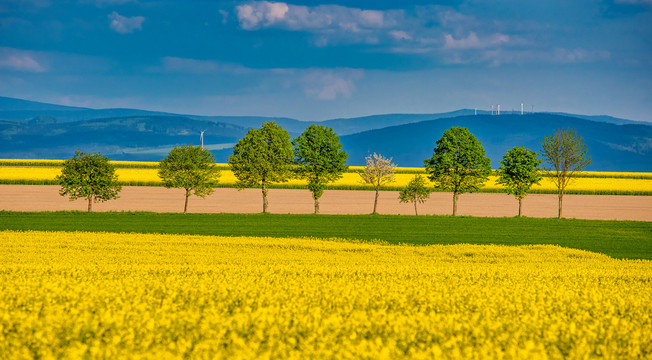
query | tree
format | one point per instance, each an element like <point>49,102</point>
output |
<point>377,172</point>
<point>519,170</point>
<point>262,157</point>
<point>458,163</point>
<point>565,153</point>
<point>191,168</point>
<point>320,159</point>
<point>89,176</point>
<point>415,191</point>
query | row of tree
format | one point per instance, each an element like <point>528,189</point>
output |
<point>267,155</point>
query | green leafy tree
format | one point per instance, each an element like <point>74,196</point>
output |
<point>320,159</point>
<point>262,157</point>
<point>519,170</point>
<point>191,168</point>
<point>458,163</point>
<point>565,154</point>
<point>377,172</point>
<point>415,192</point>
<point>89,176</point>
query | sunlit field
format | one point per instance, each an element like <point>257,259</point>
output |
<point>131,173</point>
<point>104,295</point>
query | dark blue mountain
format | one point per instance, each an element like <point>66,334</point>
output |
<point>37,130</point>
<point>613,147</point>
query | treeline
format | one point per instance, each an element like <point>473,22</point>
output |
<point>267,155</point>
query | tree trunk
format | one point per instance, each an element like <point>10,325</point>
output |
<point>264,189</point>
<point>520,200</point>
<point>185,208</point>
<point>90,203</point>
<point>316,206</point>
<point>455,197</point>
<point>415,207</point>
<point>375,202</point>
<point>561,197</point>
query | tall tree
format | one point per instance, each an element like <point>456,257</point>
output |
<point>565,154</point>
<point>262,157</point>
<point>519,170</point>
<point>191,168</point>
<point>377,172</point>
<point>415,192</point>
<point>89,176</point>
<point>458,163</point>
<point>320,159</point>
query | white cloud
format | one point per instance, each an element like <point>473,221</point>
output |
<point>473,42</point>
<point>400,35</point>
<point>330,84</point>
<point>372,18</point>
<point>225,16</point>
<point>326,21</point>
<point>20,60</point>
<point>579,55</point>
<point>194,66</point>
<point>498,57</point>
<point>261,14</point>
<point>125,25</point>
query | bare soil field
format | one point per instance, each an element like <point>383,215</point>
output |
<point>223,200</point>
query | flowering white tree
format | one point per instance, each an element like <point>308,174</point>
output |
<point>377,172</point>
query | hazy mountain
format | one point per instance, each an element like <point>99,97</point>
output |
<point>37,130</point>
<point>604,118</point>
<point>613,147</point>
<point>12,104</point>
<point>136,138</point>
<point>23,110</point>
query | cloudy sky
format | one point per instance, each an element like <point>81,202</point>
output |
<point>315,60</point>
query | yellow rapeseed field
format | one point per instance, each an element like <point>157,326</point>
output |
<point>132,296</point>
<point>349,180</point>
<point>47,162</point>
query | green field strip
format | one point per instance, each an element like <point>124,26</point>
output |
<point>618,239</point>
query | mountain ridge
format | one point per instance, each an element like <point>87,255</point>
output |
<point>618,145</point>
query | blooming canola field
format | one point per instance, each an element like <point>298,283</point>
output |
<point>589,183</point>
<point>107,295</point>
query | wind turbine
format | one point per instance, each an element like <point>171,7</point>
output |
<point>201,137</point>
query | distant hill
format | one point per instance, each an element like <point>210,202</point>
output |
<point>21,110</point>
<point>12,104</point>
<point>613,147</point>
<point>126,138</point>
<point>24,110</point>
<point>346,126</point>
<point>37,130</point>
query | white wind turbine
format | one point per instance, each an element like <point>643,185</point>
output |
<point>201,137</point>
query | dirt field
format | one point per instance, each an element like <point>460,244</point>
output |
<point>159,199</point>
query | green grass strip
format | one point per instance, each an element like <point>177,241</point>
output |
<point>619,239</point>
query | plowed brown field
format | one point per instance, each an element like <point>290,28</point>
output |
<point>159,199</point>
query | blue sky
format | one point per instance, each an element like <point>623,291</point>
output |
<point>316,60</point>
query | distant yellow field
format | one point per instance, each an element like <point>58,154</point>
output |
<point>349,180</point>
<point>155,296</point>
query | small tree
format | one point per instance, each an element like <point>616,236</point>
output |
<point>565,154</point>
<point>377,172</point>
<point>191,168</point>
<point>519,170</point>
<point>263,156</point>
<point>89,176</point>
<point>415,192</point>
<point>458,163</point>
<point>320,159</point>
